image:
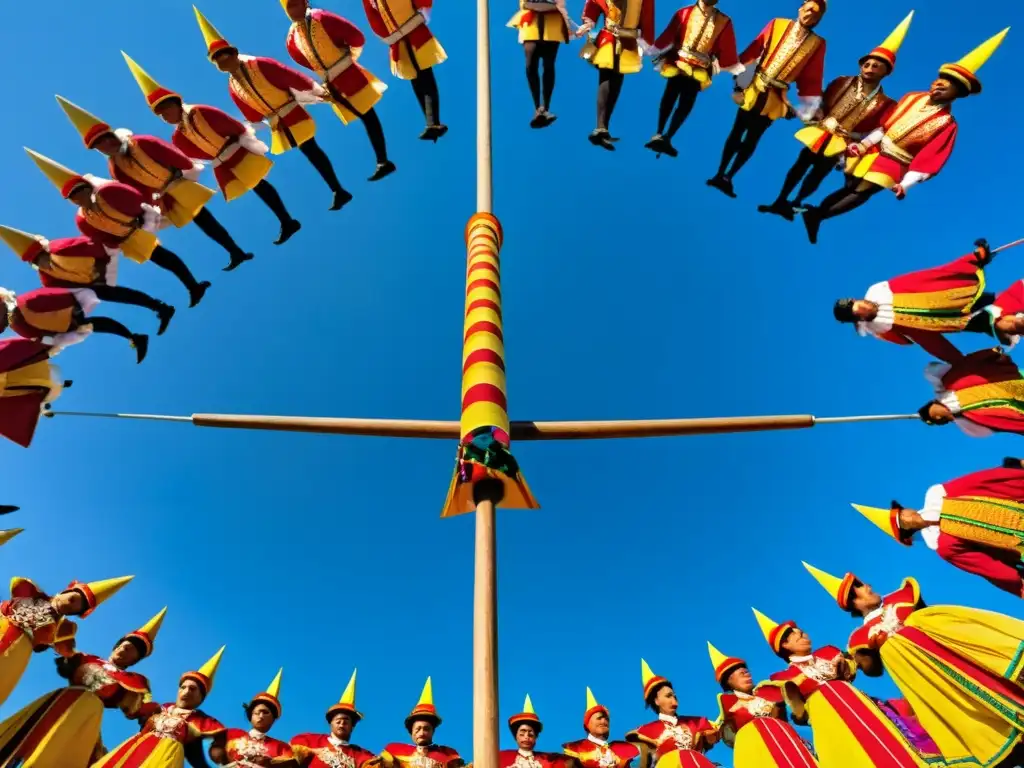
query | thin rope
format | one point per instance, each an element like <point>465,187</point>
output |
<point>141,416</point>
<point>1008,246</point>
<point>860,419</point>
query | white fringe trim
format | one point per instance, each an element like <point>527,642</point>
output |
<point>151,218</point>
<point>86,298</point>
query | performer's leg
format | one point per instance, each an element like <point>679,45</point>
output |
<point>689,91</point>
<point>782,207</point>
<point>425,87</point>
<point>118,294</point>
<point>853,195</point>
<point>170,261</point>
<point>532,53</point>
<point>549,55</point>
<point>214,230</point>
<point>272,199</point>
<point>374,129</point>
<point>139,341</point>
<point>609,86</point>
<point>999,567</point>
<point>668,102</point>
<point>821,167</point>
<point>733,142</point>
<point>756,126</point>
<point>319,160</point>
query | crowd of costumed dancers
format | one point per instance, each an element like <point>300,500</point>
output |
<point>960,670</point>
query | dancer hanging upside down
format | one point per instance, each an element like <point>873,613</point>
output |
<point>911,146</point>
<point>60,317</point>
<point>330,46</point>
<point>116,215</point>
<point>314,750</point>
<point>697,44</point>
<point>160,172</point>
<point>975,522</point>
<point>543,27</point>
<point>209,135</point>
<point>27,380</point>
<point>983,393</point>
<point>78,263</point>
<point>616,51</point>
<point>852,107</point>
<point>266,90</point>
<point>786,52</point>
<point>414,52</point>
<point>596,751</point>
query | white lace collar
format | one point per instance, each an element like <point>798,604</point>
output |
<point>594,740</point>
<point>670,719</point>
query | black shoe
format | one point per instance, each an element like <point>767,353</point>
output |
<point>6,509</point>
<point>433,132</point>
<point>237,260</point>
<point>722,184</point>
<point>538,118</point>
<point>781,208</point>
<point>548,119</point>
<point>341,198</point>
<point>600,138</point>
<point>661,146</point>
<point>812,223</point>
<point>196,294</point>
<point>383,169</point>
<point>164,314</point>
<point>140,343</point>
<point>288,229</point>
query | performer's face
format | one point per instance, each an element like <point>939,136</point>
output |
<point>943,91</point>
<point>810,13</point>
<point>865,310</point>
<point>190,695</point>
<point>70,603</point>
<point>873,70</point>
<point>170,111</point>
<point>526,737</point>
<point>422,733</point>
<point>911,520</point>
<point>665,701</point>
<point>865,599</point>
<point>296,9</point>
<point>797,642</point>
<point>741,680</point>
<point>226,61</point>
<point>600,725</point>
<point>108,144</point>
<point>710,3</point>
<point>262,718</point>
<point>342,725</point>
<point>939,414</point>
<point>81,196</point>
<point>125,655</point>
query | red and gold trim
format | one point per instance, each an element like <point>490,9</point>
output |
<point>272,701</point>
<point>963,76</point>
<point>727,667</point>
<point>845,593</point>
<point>200,679</point>
<point>598,708</point>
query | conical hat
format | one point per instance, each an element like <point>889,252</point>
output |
<point>89,127</point>
<point>592,708</point>
<point>155,93</point>
<point>206,674</point>
<point>98,592</point>
<point>347,703</point>
<point>215,42</point>
<point>7,535</point>
<point>272,696</point>
<point>649,679</point>
<point>424,709</point>
<point>773,631</point>
<point>891,45</point>
<point>724,665</point>
<point>26,245</point>
<point>147,633</point>
<point>61,177</point>
<point>285,3</point>
<point>965,71</point>
<point>840,589</point>
<point>887,520</point>
<point>528,716</point>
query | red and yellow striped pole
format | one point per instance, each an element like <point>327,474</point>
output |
<point>484,450</point>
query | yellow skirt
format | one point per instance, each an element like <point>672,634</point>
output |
<point>301,131</point>
<point>58,730</point>
<point>139,246</point>
<point>968,717</point>
<point>14,657</point>
<point>814,138</point>
<point>362,101</point>
<point>774,104</point>
<point>604,57</point>
<point>429,54</point>
<point>751,750</point>
<point>682,69</point>
<point>244,176</point>
<point>865,168</point>
<point>35,375</point>
<point>549,26</point>
<point>188,199</point>
<point>136,753</point>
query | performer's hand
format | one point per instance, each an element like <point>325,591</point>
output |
<point>855,150</point>
<point>899,191</point>
<point>737,96</point>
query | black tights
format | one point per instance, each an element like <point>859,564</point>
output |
<point>812,165</point>
<point>424,85</point>
<point>537,52</point>
<point>681,90</point>
<point>214,230</point>
<point>170,261</point>
<point>609,86</point>
<point>849,198</point>
<point>319,160</point>
<point>375,131</point>
<point>118,294</point>
<point>108,325</point>
<point>743,140</point>
<point>270,197</point>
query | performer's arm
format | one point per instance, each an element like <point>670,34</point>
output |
<point>591,13</point>
<point>285,78</point>
<point>935,344</point>
<point>218,748</point>
<point>726,57</point>
<point>221,122</point>
<point>756,49</point>
<point>809,82</point>
<point>295,52</point>
<point>869,662</point>
<point>668,38</point>
<point>247,111</point>
<point>164,153</point>
<point>344,32</point>
<point>996,566</point>
<point>376,22</point>
<point>930,160</point>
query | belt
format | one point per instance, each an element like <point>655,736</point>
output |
<point>770,82</point>
<point>889,149</point>
<point>542,6</point>
<point>339,66</point>
<point>405,28</point>
<point>695,56</point>
<point>280,112</point>
<point>627,32</point>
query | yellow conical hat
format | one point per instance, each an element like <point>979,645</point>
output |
<point>773,631</point>
<point>206,673</point>
<point>724,665</point>
<point>838,589</point>
<point>215,42</point>
<point>6,536</point>
<point>285,4</point>
<point>424,709</point>
<point>155,93</point>
<point>22,243</point>
<point>89,127</point>
<point>148,632</point>
<point>965,71</point>
<point>528,715</point>
<point>274,689</point>
<point>649,679</point>
<point>886,520</point>
<point>888,49</point>
<point>98,592</point>
<point>271,696</point>
<point>61,177</point>
<point>592,708</point>
<point>347,702</point>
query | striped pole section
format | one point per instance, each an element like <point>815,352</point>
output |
<point>484,450</point>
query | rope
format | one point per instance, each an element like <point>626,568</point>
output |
<point>1008,246</point>
<point>861,419</point>
<point>141,416</point>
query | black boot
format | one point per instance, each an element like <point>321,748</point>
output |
<point>812,223</point>
<point>600,137</point>
<point>781,208</point>
<point>164,314</point>
<point>342,197</point>
<point>288,228</point>
<point>140,343</point>
<point>722,184</point>
<point>383,169</point>
<point>238,258</point>
<point>196,292</point>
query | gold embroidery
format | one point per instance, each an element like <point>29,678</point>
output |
<point>819,670</point>
<point>318,49</point>
<point>991,522</point>
<point>141,168</point>
<point>95,676</point>
<point>677,733</point>
<point>167,724</point>
<point>256,91</point>
<point>31,613</point>
<point>755,706</point>
<point>334,758</point>
<point>889,622</point>
<point>422,760</point>
<point>918,122</point>
<point>608,758</point>
<point>787,59</point>
<point>1003,390</point>
<point>852,106</point>
<point>396,13</point>
<point>248,748</point>
<point>195,128</point>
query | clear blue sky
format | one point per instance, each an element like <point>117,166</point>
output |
<point>631,290</point>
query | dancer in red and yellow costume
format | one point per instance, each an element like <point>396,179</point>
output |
<point>851,108</point>
<point>849,731</point>
<point>616,51</point>
<point>265,90</point>
<point>253,748</point>
<point>543,28</point>
<point>330,46</point>
<point>596,751</point>
<point>28,380</point>
<point>316,750</point>
<point>421,724</point>
<point>911,146</point>
<point>752,718</point>
<point>414,52</point>
<point>60,317</point>
<point>62,728</point>
<point>671,741</point>
<point>696,45</point>
<point>958,668</point>
<point>975,523</point>
<point>983,393</point>
<point>209,135</point>
<point>787,51</point>
<point>116,215</point>
<point>32,621</point>
<point>920,307</point>
<point>161,172</point>
<point>525,728</point>
<point>170,733</point>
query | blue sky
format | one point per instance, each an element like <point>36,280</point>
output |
<point>631,290</point>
